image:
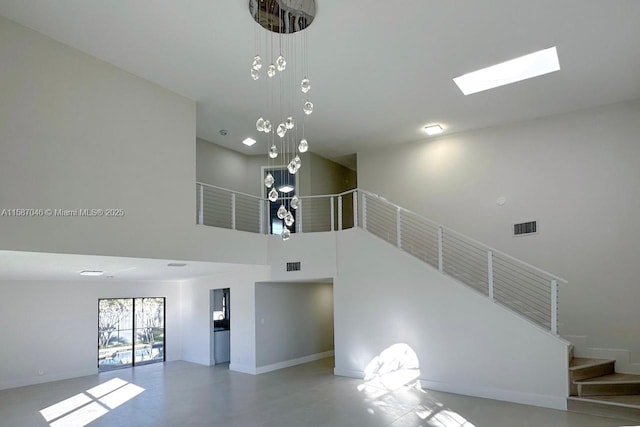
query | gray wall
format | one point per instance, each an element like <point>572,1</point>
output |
<point>226,168</point>
<point>576,174</point>
<point>298,321</point>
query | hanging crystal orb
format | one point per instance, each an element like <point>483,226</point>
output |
<point>305,85</point>
<point>269,180</point>
<point>257,63</point>
<point>273,151</point>
<point>308,108</point>
<point>281,63</point>
<point>267,126</point>
<point>292,167</point>
<point>303,146</point>
<point>271,70</point>
<point>273,195</point>
<point>255,74</point>
<point>282,212</point>
<point>288,219</point>
<point>297,161</point>
<point>289,122</point>
<point>295,202</point>
<point>281,130</point>
<point>286,234</point>
<point>260,124</point>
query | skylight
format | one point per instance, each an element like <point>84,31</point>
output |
<point>518,69</point>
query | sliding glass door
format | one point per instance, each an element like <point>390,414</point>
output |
<point>130,332</point>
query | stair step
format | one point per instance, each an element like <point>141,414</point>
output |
<point>582,368</point>
<point>609,385</point>
<point>622,407</point>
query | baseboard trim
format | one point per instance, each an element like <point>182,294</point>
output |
<point>243,369</point>
<point>545,401</point>
<point>532,399</point>
<point>23,382</point>
<point>294,362</point>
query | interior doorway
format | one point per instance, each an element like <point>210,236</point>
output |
<point>287,187</point>
<point>220,326</point>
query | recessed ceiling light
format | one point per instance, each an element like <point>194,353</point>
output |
<point>91,273</point>
<point>518,69</point>
<point>176,264</point>
<point>249,142</point>
<point>433,130</point>
<point>285,188</point>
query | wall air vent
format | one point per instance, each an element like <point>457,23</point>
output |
<point>525,228</point>
<point>294,266</point>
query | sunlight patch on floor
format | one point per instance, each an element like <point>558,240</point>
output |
<point>392,385</point>
<point>83,408</point>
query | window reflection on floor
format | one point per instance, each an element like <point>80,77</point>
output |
<point>83,408</point>
<point>392,386</point>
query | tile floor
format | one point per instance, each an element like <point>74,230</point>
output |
<point>180,394</point>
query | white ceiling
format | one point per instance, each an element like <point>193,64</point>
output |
<point>16,265</point>
<point>380,70</point>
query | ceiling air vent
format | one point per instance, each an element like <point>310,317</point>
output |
<point>525,228</point>
<point>293,266</point>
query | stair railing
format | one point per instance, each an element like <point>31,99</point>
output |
<point>515,284</point>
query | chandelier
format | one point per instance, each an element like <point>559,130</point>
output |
<point>280,65</point>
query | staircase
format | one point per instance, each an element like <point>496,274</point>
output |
<point>596,389</point>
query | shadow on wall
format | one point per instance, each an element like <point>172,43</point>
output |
<point>392,385</point>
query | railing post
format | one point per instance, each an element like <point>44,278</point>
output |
<point>339,213</point>
<point>554,307</point>
<point>398,230</point>
<point>364,210</point>
<point>261,219</point>
<point>233,211</point>
<point>355,209</point>
<point>333,215</point>
<point>440,263</point>
<point>201,208</point>
<point>490,273</point>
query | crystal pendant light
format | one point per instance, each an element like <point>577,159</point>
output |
<point>269,180</point>
<point>288,219</point>
<point>282,212</point>
<point>289,119</point>
<point>273,151</point>
<point>308,108</point>
<point>295,202</point>
<point>281,63</point>
<point>289,123</point>
<point>257,63</point>
<point>286,234</point>
<point>281,130</point>
<point>305,85</point>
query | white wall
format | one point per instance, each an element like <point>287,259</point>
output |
<point>316,253</point>
<point>465,343</point>
<point>53,326</point>
<point>196,321</point>
<point>293,321</point>
<point>576,174</point>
